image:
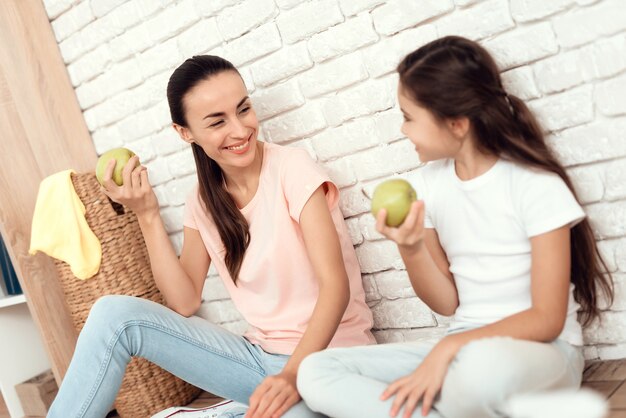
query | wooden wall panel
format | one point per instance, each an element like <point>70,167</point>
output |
<point>42,131</point>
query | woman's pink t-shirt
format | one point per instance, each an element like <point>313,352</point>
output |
<point>277,288</point>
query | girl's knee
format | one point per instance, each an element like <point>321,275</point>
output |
<point>310,370</point>
<point>481,370</point>
<point>313,373</point>
<point>487,371</point>
<point>494,357</point>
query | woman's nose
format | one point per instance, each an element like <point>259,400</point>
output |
<point>238,130</point>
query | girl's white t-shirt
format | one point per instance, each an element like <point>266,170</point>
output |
<point>485,225</point>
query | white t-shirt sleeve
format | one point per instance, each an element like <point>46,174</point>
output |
<point>546,203</point>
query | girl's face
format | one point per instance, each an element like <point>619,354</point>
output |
<point>433,139</point>
<point>220,119</point>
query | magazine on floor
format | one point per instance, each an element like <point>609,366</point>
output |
<point>225,409</point>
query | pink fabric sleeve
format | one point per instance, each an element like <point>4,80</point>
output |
<point>301,177</point>
<point>191,206</point>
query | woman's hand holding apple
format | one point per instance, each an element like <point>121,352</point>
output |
<point>410,234</point>
<point>135,192</point>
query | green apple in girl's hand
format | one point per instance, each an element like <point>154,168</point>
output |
<point>396,196</point>
<point>121,156</point>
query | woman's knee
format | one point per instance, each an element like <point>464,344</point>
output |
<point>112,310</point>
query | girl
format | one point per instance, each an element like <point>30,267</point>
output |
<point>268,218</point>
<point>499,241</point>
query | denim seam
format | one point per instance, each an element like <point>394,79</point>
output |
<point>116,336</point>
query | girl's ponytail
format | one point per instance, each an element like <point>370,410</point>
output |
<point>589,271</point>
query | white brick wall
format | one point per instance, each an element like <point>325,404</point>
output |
<point>321,73</point>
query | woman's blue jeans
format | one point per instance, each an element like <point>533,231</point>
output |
<point>203,354</point>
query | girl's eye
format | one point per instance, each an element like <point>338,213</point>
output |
<point>245,109</point>
<point>216,124</point>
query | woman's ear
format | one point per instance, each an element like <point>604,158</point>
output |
<point>183,132</point>
<point>459,126</point>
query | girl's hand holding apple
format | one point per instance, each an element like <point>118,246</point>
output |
<point>410,234</point>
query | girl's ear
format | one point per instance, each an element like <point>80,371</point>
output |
<point>459,126</point>
<point>183,132</point>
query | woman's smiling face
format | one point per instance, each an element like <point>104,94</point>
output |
<point>221,120</point>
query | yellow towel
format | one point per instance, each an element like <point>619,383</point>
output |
<point>59,227</point>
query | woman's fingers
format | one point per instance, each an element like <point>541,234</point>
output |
<point>107,178</point>
<point>145,182</point>
<point>276,403</point>
<point>255,399</point>
<point>128,169</point>
<point>293,399</point>
<point>135,177</point>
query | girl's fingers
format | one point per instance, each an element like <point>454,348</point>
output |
<point>427,402</point>
<point>411,218</point>
<point>381,218</point>
<point>398,402</point>
<point>391,389</point>
<point>410,404</point>
<point>421,212</point>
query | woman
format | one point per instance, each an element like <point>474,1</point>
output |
<point>267,217</point>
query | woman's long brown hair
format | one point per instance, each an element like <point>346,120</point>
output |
<point>456,77</point>
<point>231,224</point>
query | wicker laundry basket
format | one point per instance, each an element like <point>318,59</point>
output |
<point>125,270</point>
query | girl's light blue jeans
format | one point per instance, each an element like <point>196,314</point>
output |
<point>348,382</point>
<point>120,327</point>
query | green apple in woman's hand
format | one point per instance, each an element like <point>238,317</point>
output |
<point>395,196</point>
<point>121,156</point>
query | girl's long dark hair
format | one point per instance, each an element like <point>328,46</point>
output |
<point>231,225</point>
<point>456,77</point>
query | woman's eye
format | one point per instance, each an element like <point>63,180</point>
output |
<point>215,124</point>
<point>245,109</point>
